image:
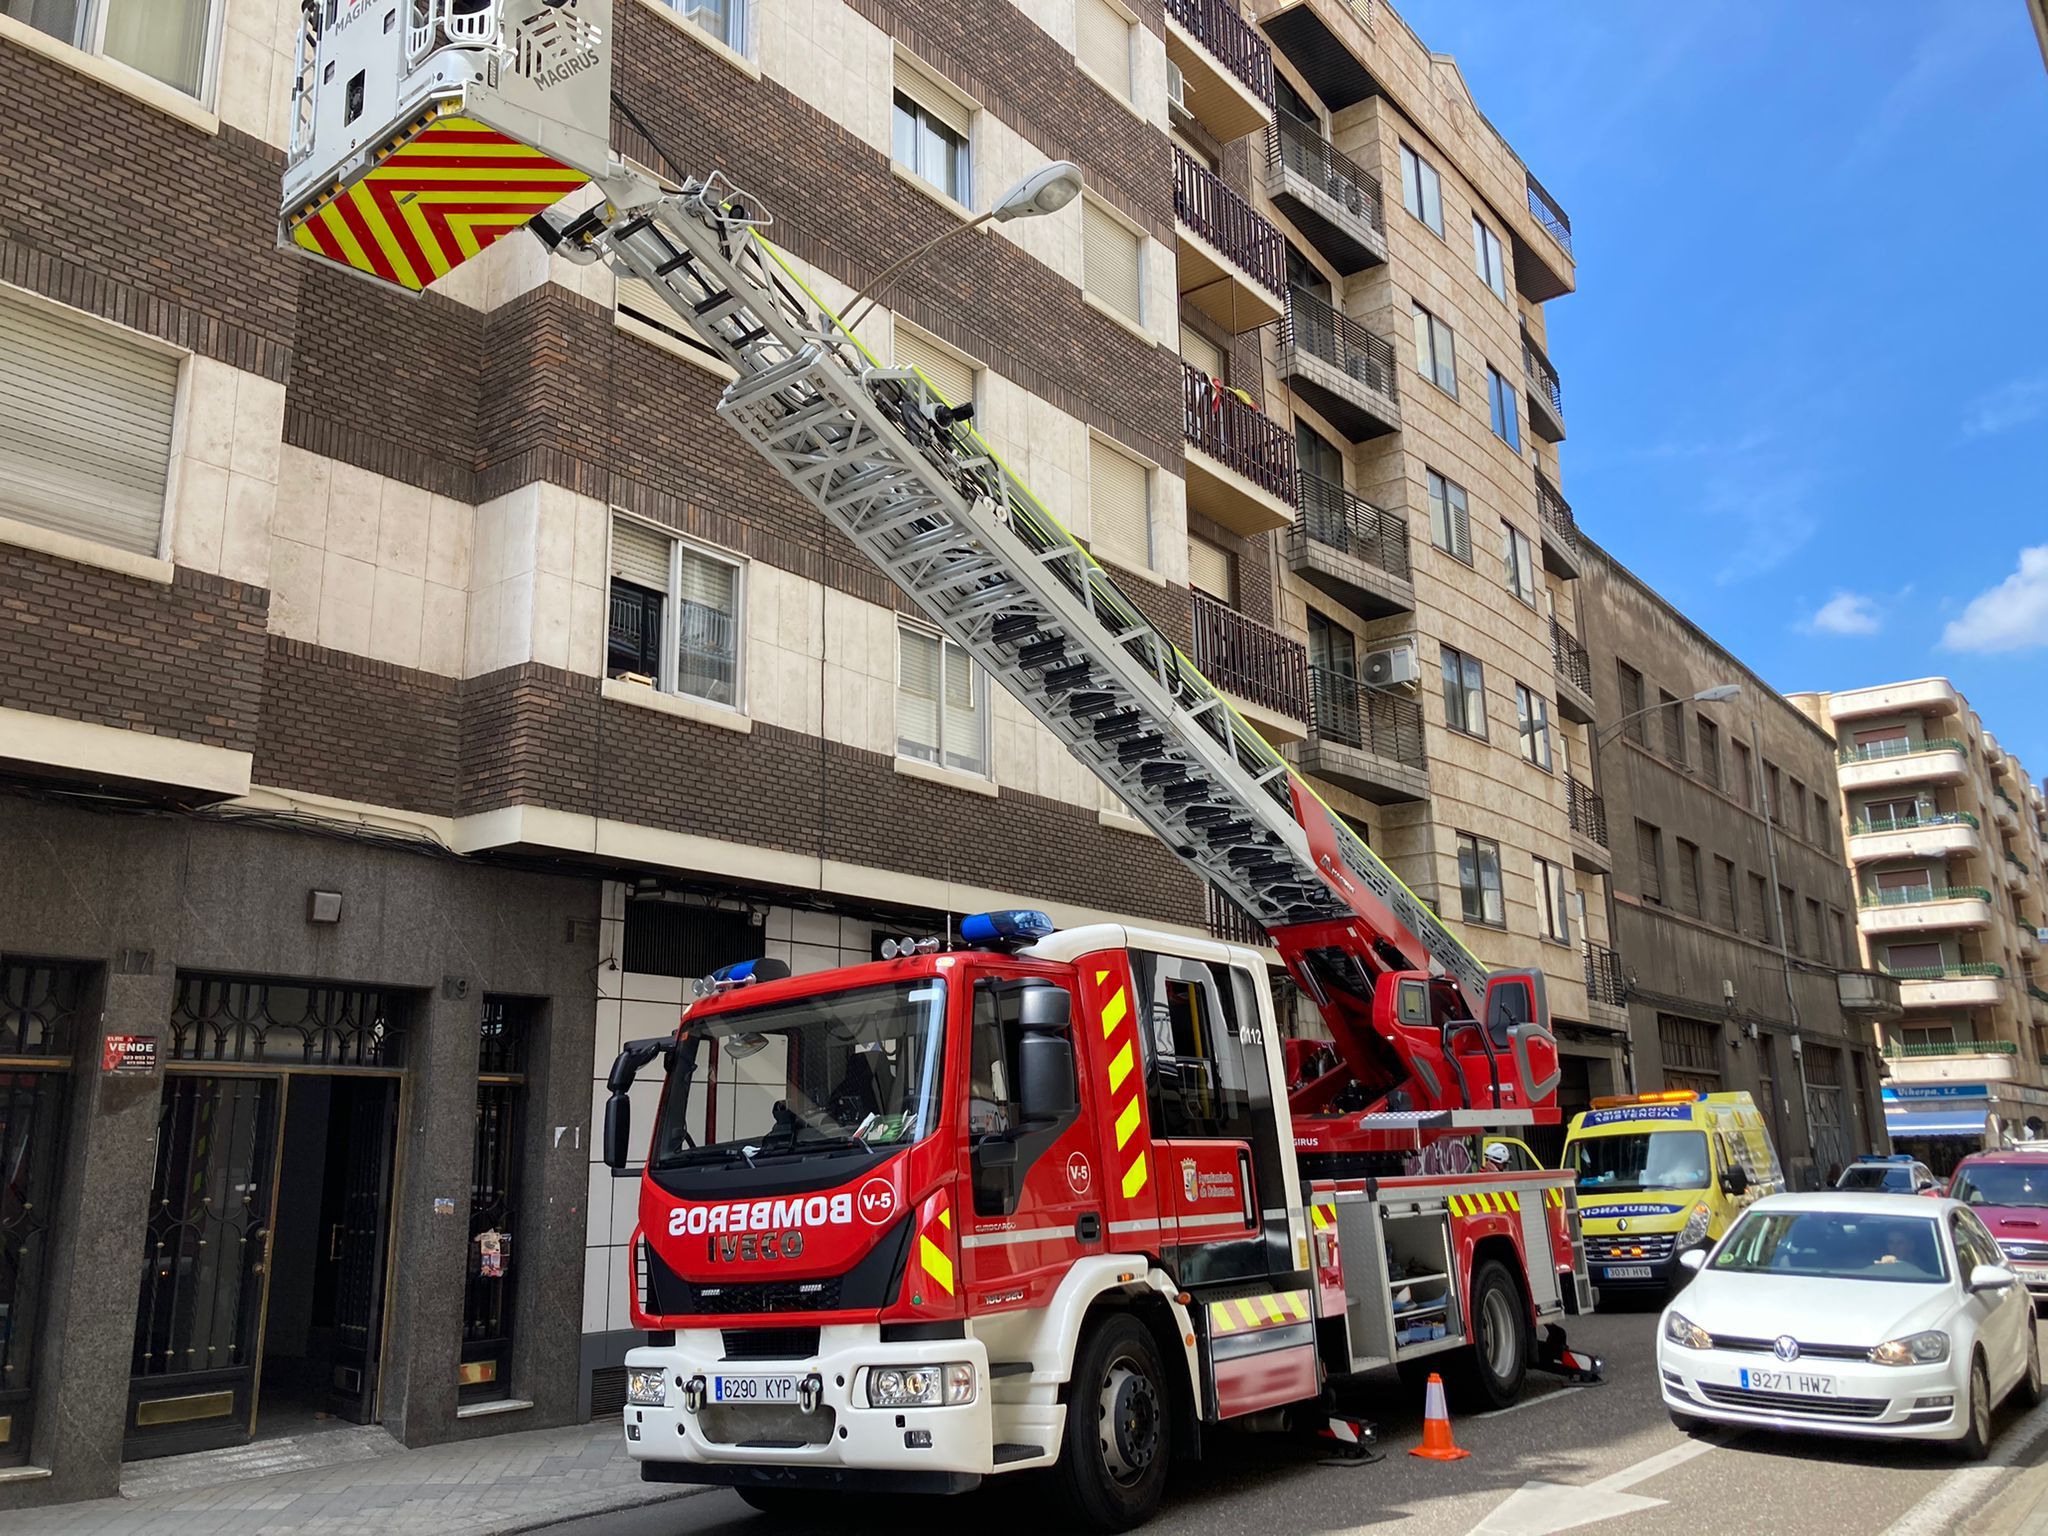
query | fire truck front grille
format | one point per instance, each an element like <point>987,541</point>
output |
<point>769,1296</point>
<point>770,1343</point>
<point>765,1426</point>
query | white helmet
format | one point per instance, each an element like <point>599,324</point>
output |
<point>1497,1153</point>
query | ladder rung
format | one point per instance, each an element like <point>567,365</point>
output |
<point>1067,678</point>
<point>1042,654</point>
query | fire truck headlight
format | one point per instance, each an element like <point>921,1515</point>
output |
<point>647,1388</point>
<point>920,1386</point>
<point>960,1383</point>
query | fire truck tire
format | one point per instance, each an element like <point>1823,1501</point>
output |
<point>807,1507</point>
<point>1111,1473</point>
<point>1489,1373</point>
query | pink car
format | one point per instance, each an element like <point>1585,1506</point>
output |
<point>2009,1192</point>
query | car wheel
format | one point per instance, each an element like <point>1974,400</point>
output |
<point>1111,1473</point>
<point>1489,1373</point>
<point>1976,1442</point>
<point>2030,1386</point>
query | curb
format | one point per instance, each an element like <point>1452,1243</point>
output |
<point>624,1499</point>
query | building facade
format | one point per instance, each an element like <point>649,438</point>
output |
<point>1732,911</point>
<point>1943,836</point>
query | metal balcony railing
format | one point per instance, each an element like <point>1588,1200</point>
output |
<point>1549,215</point>
<point>1914,895</point>
<point>1863,825</point>
<point>1926,1048</point>
<point>1975,969</point>
<point>1312,325</point>
<point>1573,664</point>
<point>1247,658</point>
<point>1587,810</point>
<point>2010,804</point>
<point>1335,518</point>
<point>1878,751</point>
<point>1542,377</point>
<point>1604,981</point>
<point>1556,513</point>
<point>2018,863</point>
<point>1227,921</point>
<point>1237,44</point>
<point>1294,145</point>
<point>1351,714</point>
<point>1238,435</point>
<point>1206,205</point>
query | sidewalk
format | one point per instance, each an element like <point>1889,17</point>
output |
<point>366,1484</point>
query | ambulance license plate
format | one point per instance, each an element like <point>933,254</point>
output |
<point>754,1389</point>
<point>1625,1272</point>
<point>1798,1383</point>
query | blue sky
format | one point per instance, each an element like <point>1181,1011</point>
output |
<point>1806,370</point>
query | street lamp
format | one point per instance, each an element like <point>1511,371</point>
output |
<point>1720,693</point>
<point>1046,190</point>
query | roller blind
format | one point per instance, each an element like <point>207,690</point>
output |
<point>640,554</point>
<point>917,694</point>
<point>1202,353</point>
<point>963,725</point>
<point>1208,568</point>
<point>934,98</point>
<point>1109,262</point>
<point>85,428</point>
<point>949,376</point>
<point>1103,44</point>
<point>1119,504</point>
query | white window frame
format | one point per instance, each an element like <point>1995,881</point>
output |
<point>1518,556</point>
<point>1143,244</point>
<point>739,30</point>
<point>981,693</point>
<point>1436,349</point>
<point>1554,899</point>
<point>1503,405</point>
<point>1532,726</point>
<point>669,679</point>
<point>1488,260</point>
<point>1095,547</point>
<point>1127,92</point>
<point>91,38</point>
<point>936,100</point>
<point>1413,171</point>
<point>1450,529</point>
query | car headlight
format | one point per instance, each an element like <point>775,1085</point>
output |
<point>1680,1329</point>
<point>1929,1348</point>
<point>646,1388</point>
<point>920,1386</point>
<point>1695,1227</point>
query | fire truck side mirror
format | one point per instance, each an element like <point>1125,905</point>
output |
<point>1045,1073</point>
<point>1045,1011</point>
<point>618,1129</point>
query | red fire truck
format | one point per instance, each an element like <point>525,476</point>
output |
<point>1024,1199</point>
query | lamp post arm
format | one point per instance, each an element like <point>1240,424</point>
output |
<point>848,319</point>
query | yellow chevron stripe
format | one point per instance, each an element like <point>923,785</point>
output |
<point>1272,1306</point>
<point>1127,1123</point>
<point>1457,1205</point>
<point>1134,1176</point>
<point>1245,1311</point>
<point>1297,1303</point>
<point>1322,1222</point>
<point>1120,1067</point>
<point>1219,1318</point>
<point>1514,1200</point>
<point>935,1263</point>
<point>1113,1012</point>
<point>946,1218</point>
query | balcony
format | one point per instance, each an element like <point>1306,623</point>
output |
<point>1349,548</point>
<point>1334,201</point>
<point>1940,835</point>
<point>1341,369</point>
<point>1544,271</point>
<point>2016,872</point>
<point>1574,675</point>
<point>1546,394</point>
<point>1240,468</point>
<point>1939,1061</point>
<point>1559,528</point>
<point>1973,985</point>
<point>1365,739</point>
<point>1925,907</point>
<point>2005,810</point>
<point>1883,764</point>
<point>1868,994</point>
<point>2037,1004</point>
<point>1605,983</point>
<point>1587,813</point>
<point>1226,67</point>
<point>1926,696</point>
<point>1232,262</point>
<point>1264,672</point>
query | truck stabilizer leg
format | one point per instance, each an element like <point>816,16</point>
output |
<point>1554,1355</point>
<point>1348,1441</point>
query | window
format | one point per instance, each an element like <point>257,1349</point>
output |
<point>1553,901</point>
<point>1774,798</point>
<point>638,302</point>
<point>1486,259</point>
<point>1532,719</point>
<point>1200,353</point>
<point>1710,751</point>
<point>1689,894</point>
<point>1103,44</point>
<point>930,135</point>
<point>1435,351</point>
<point>1211,569</point>
<point>1913,957</point>
<point>1630,686</point>
<point>1199,1075</point>
<point>1450,520</point>
<point>85,427</point>
<point>1888,815</point>
<point>941,702</point>
<point>1518,555</point>
<point>1814,933</point>
<point>1422,190</point>
<point>168,40</point>
<point>674,615</point>
<point>1745,776</point>
<point>1501,401</point>
<point>1650,862</point>
<point>1672,711</point>
<point>1823,823</point>
<point>1839,926</point>
<point>1464,693</point>
<point>1759,908</point>
<point>1119,505</point>
<point>1111,262</point>
<point>1725,912</point>
<point>1795,800</point>
<point>725,20</point>
<point>1788,905</point>
<point>946,373</point>
<point>1479,880</point>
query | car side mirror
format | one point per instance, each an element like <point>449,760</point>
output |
<point>618,1130</point>
<point>1991,1277</point>
<point>1045,1075</point>
<point>1694,1259</point>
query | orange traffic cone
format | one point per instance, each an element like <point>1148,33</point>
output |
<point>1437,1444</point>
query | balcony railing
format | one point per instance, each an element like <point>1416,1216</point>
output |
<point>1914,895</point>
<point>1972,970</point>
<point>1549,215</point>
<point>1241,48</point>
<point>1925,1048</point>
<point>1244,657</point>
<point>1556,513</point>
<point>1604,981</point>
<point>2037,993</point>
<point>1878,751</point>
<point>1227,921</point>
<point>1237,435</point>
<point>1542,376</point>
<point>1573,664</point>
<point>1369,719</point>
<point>2010,803</point>
<point>1294,145</point>
<point>1312,325</point>
<point>1333,517</point>
<point>1587,809</point>
<point>2018,863</point>
<point>1863,825</point>
<point>1206,205</point>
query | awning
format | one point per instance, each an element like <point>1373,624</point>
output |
<point>1899,1125</point>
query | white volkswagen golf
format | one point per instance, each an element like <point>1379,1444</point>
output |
<point>1879,1315</point>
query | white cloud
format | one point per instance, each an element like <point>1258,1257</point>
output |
<point>2012,404</point>
<point>2011,616</point>
<point>1846,613</point>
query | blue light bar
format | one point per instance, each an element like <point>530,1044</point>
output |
<point>1003,929</point>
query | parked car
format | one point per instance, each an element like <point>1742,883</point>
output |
<point>1888,1316</point>
<point>1897,1174</point>
<point>2009,1193</point>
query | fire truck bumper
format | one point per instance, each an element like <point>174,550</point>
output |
<point>825,1421</point>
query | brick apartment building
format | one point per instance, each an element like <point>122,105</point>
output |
<point>400,698</point>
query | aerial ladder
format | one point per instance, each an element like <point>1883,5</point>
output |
<point>424,130</point>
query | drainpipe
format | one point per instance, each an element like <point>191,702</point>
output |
<point>1784,953</point>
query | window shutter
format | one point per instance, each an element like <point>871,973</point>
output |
<point>1209,568</point>
<point>1649,872</point>
<point>936,99</point>
<point>640,555</point>
<point>1201,353</point>
<point>948,375</point>
<point>1104,44</point>
<point>917,694</point>
<point>1109,261</point>
<point>965,707</point>
<point>85,428</point>
<point>1119,504</point>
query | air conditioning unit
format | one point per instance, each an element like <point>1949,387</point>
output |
<point>1176,87</point>
<point>1395,665</point>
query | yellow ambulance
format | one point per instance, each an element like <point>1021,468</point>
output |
<point>1660,1173</point>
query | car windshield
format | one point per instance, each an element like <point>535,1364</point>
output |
<point>2003,1183</point>
<point>1877,1176</point>
<point>847,1072</point>
<point>1835,1245</point>
<point>1645,1160</point>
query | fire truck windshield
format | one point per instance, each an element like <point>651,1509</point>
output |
<point>853,1071</point>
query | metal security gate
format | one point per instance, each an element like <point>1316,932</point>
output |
<point>363,1138</point>
<point>487,1318</point>
<point>1691,1049</point>
<point>1824,1108</point>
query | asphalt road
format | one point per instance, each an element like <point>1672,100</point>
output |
<point>1625,1467</point>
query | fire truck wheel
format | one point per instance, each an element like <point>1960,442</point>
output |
<point>798,1506</point>
<point>1112,1469</point>
<point>1489,1373</point>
